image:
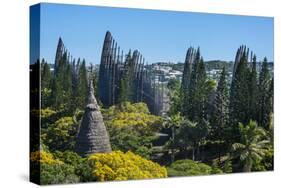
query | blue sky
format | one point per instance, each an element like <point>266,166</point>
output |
<point>158,35</point>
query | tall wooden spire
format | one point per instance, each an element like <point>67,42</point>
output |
<point>92,137</point>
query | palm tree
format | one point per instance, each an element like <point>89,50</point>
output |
<point>253,145</point>
<point>173,122</point>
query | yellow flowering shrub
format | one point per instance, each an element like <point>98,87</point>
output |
<point>44,113</point>
<point>47,112</point>
<point>122,119</point>
<point>124,166</point>
<point>132,115</point>
<point>132,127</point>
<point>44,157</point>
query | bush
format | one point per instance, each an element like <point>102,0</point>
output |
<point>132,128</point>
<point>129,139</point>
<point>53,171</point>
<point>61,135</point>
<point>68,157</point>
<point>43,157</point>
<point>124,166</point>
<point>132,115</point>
<point>81,166</point>
<point>189,168</point>
<point>47,112</point>
<point>61,167</point>
<point>57,174</point>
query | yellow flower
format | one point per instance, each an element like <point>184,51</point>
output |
<point>124,166</point>
<point>43,157</point>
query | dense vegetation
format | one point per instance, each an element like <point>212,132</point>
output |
<point>231,126</point>
<point>211,127</point>
<point>132,130</point>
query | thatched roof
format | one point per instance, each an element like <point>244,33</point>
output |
<point>92,136</point>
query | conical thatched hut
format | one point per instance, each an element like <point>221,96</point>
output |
<point>92,136</point>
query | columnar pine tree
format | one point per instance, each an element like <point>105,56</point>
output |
<point>126,82</point>
<point>195,97</point>
<point>67,87</point>
<point>57,94</point>
<point>239,96</point>
<point>195,102</point>
<point>45,83</point>
<point>45,75</point>
<point>253,91</point>
<point>264,96</point>
<point>82,85</point>
<point>271,95</point>
<point>189,95</point>
<point>187,69</point>
<point>219,115</point>
<point>201,92</point>
<point>74,88</point>
<point>123,89</point>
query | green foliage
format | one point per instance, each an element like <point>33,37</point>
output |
<point>45,83</point>
<point>176,101</point>
<point>58,97</point>
<point>220,112</point>
<point>128,139</point>
<point>219,127</point>
<point>175,95</point>
<point>173,122</point>
<point>227,167</point>
<point>191,134</point>
<point>239,96</point>
<point>173,84</point>
<point>66,88</point>
<point>253,89</point>
<point>68,157</point>
<point>81,165</point>
<point>45,97</point>
<point>253,145</point>
<point>195,98</point>
<point>47,113</point>
<point>126,93</point>
<point>82,89</point>
<point>61,167</point>
<point>61,135</point>
<point>57,174</point>
<point>266,163</point>
<point>132,128</point>
<point>190,168</point>
<point>265,96</point>
<point>216,169</point>
<point>45,75</point>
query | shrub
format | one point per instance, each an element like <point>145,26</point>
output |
<point>189,168</point>
<point>132,128</point>
<point>61,134</point>
<point>52,171</point>
<point>81,166</point>
<point>124,166</point>
<point>47,112</point>
<point>44,157</point>
<point>57,174</point>
<point>133,115</point>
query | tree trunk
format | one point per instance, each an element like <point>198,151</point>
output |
<point>193,152</point>
<point>173,144</point>
<point>247,166</point>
